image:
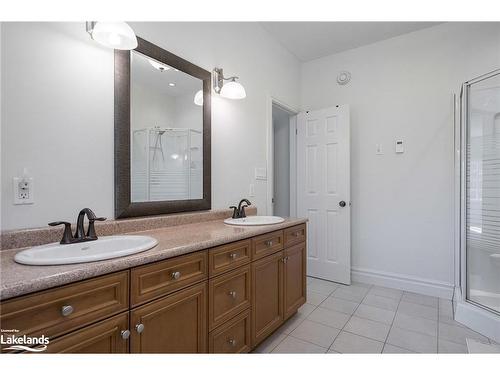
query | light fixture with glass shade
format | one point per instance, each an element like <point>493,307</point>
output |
<point>116,35</point>
<point>157,65</point>
<point>198,98</point>
<point>231,89</point>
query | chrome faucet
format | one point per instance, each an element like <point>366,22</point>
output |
<point>239,212</point>
<point>80,235</point>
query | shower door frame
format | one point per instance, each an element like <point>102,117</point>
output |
<point>462,248</point>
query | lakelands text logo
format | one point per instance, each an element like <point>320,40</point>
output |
<point>22,343</point>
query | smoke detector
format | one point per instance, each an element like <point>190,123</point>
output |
<point>344,77</point>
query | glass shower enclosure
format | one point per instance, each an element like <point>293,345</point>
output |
<point>480,192</point>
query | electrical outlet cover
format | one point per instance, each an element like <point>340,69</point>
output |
<point>23,190</point>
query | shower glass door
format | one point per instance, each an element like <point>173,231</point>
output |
<point>482,190</point>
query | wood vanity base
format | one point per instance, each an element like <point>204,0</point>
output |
<point>226,299</point>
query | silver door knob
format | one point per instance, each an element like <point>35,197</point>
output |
<point>67,310</point>
<point>232,294</point>
<point>139,327</point>
<point>176,275</point>
<point>125,334</point>
<point>231,342</point>
<point>269,243</point>
<point>233,256</point>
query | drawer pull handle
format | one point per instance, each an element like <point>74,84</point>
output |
<point>284,260</point>
<point>67,310</point>
<point>176,275</point>
<point>125,334</point>
<point>295,234</point>
<point>233,256</point>
<point>139,327</point>
<point>233,294</point>
<point>269,243</point>
<point>231,342</point>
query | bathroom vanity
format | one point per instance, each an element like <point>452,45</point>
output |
<point>183,296</point>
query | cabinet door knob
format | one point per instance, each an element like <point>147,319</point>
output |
<point>139,327</point>
<point>269,243</point>
<point>176,275</point>
<point>232,294</point>
<point>233,256</point>
<point>295,234</point>
<point>125,334</point>
<point>67,310</point>
<point>231,342</point>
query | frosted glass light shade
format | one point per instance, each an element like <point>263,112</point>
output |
<point>161,67</point>
<point>233,90</point>
<point>116,35</point>
<point>198,98</point>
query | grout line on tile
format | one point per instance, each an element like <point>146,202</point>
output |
<point>352,314</point>
<point>392,323</point>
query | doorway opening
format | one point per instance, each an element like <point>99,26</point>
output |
<point>282,160</point>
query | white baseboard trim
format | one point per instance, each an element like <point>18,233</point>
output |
<point>405,282</point>
<point>476,318</point>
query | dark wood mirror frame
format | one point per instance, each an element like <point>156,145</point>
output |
<point>124,207</point>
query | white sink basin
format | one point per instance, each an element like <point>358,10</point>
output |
<point>255,220</point>
<point>91,251</point>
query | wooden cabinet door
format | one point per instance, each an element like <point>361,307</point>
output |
<point>294,276</point>
<point>267,296</point>
<point>108,336</point>
<point>173,324</point>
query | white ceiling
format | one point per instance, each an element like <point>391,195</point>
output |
<point>312,40</point>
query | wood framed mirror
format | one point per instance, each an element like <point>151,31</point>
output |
<point>162,133</point>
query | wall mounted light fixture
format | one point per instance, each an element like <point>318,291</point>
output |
<point>231,89</point>
<point>116,35</point>
<point>198,98</point>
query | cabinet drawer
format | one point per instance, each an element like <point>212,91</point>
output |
<point>295,235</point>
<point>228,257</point>
<point>266,244</point>
<point>67,308</point>
<point>158,279</point>
<point>103,338</point>
<point>229,294</point>
<point>231,337</point>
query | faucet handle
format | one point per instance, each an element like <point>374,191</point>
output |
<point>91,230</point>
<point>67,236</point>
<point>235,212</point>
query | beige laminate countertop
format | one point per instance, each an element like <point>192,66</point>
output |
<point>17,279</point>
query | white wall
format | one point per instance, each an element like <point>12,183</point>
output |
<point>149,109</point>
<point>57,118</point>
<point>402,204</point>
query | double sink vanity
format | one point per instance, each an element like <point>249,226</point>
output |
<point>206,287</point>
<point>197,282</point>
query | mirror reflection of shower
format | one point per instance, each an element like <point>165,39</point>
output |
<point>166,133</point>
<point>166,164</point>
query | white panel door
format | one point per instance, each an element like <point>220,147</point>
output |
<point>323,191</point>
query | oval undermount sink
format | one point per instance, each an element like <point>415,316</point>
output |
<point>255,220</point>
<point>104,248</point>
